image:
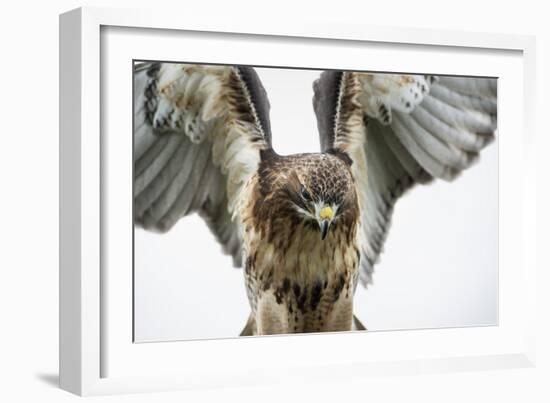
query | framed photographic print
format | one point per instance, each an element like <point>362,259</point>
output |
<point>233,195</point>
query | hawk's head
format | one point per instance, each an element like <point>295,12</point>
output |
<point>320,190</point>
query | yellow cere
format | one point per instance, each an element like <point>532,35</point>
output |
<point>326,213</point>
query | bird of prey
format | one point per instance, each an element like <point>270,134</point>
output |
<point>306,228</point>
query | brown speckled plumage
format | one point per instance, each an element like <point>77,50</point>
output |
<point>296,281</point>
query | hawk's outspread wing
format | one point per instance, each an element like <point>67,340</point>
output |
<point>199,132</point>
<point>399,130</point>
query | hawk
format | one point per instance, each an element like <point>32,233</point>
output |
<point>306,228</point>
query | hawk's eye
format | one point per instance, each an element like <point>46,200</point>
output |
<point>305,194</point>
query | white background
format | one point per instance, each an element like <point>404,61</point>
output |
<point>28,294</point>
<point>440,268</point>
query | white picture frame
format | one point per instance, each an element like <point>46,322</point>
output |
<point>96,354</point>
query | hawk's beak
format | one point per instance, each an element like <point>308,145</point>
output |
<point>325,218</point>
<point>324,224</point>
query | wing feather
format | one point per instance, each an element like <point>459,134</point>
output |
<point>477,87</point>
<point>426,159</point>
<point>456,99</point>
<point>458,137</point>
<point>146,202</point>
<point>472,121</point>
<point>155,161</point>
<point>180,177</point>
